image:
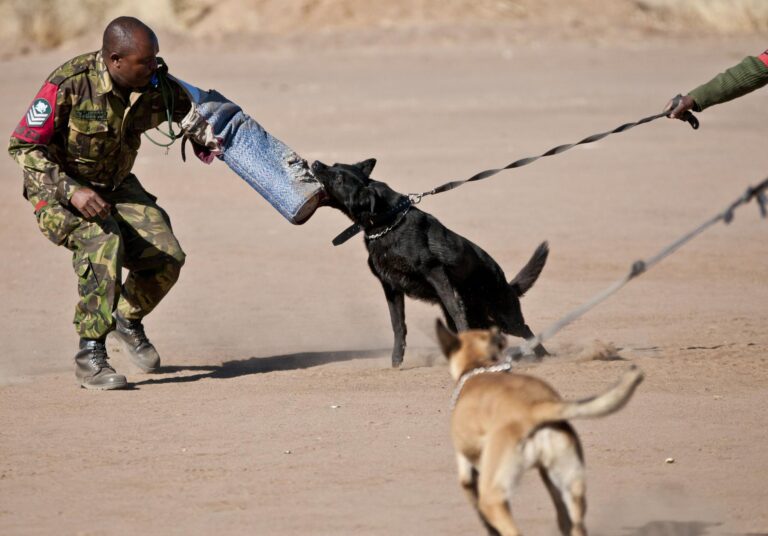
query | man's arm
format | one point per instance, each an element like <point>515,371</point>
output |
<point>30,147</point>
<point>747,76</point>
<point>45,183</point>
<point>43,180</point>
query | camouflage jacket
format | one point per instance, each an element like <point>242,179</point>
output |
<point>80,131</point>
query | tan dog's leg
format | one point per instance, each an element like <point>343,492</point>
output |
<point>564,475</point>
<point>467,478</point>
<point>468,481</point>
<point>563,518</point>
<point>500,466</point>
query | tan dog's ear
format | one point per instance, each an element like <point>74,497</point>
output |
<point>449,341</point>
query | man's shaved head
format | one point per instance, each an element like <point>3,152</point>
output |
<point>130,52</point>
<point>123,35</point>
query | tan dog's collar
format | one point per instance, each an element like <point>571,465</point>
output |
<point>501,367</point>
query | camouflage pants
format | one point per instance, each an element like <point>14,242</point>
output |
<point>136,236</point>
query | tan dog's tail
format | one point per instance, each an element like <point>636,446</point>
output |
<point>612,400</point>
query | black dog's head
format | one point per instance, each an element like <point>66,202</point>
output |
<point>351,189</point>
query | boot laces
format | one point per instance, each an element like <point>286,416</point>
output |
<point>99,356</point>
<point>136,329</point>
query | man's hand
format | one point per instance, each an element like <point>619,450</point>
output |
<point>684,105</point>
<point>90,204</point>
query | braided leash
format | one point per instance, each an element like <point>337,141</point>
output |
<point>640,267</point>
<point>416,198</point>
<point>688,116</point>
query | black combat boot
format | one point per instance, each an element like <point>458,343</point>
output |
<point>93,370</point>
<point>131,335</point>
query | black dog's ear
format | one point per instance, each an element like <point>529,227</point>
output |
<point>449,341</point>
<point>366,166</point>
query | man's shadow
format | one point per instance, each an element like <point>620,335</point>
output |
<point>260,365</point>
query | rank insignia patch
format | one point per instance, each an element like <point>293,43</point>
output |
<point>38,113</point>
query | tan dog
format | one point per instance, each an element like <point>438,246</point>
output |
<point>504,423</point>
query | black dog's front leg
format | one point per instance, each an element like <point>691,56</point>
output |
<point>522,330</point>
<point>449,299</point>
<point>396,303</point>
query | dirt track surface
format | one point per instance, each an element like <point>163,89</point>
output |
<point>277,412</point>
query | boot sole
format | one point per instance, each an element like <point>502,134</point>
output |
<point>110,387</point>
<point>128,350</point>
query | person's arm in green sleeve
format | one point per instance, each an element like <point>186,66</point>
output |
<point>747,76</point>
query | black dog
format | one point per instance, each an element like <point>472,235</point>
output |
<point>412,253</point>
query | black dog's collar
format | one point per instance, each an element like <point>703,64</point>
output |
<point>376,236</point>
<point>377,221</point>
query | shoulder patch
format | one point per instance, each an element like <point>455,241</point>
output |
<point>37,124</point>
<point>764,57</point>
<point>39,112</point>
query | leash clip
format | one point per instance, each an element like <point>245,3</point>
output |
<point>638,267</point>
<point>514,354</point>
<point>762,203</point>
<point>758,192</point>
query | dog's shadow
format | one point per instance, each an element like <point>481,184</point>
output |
<point>680,528</point>
<point>259,365</point>
<point>671,528</point>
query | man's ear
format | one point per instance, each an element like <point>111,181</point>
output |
<point>366,166</point>
<point>449,341</point>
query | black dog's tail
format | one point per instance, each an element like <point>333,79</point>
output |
<point>525,279</point>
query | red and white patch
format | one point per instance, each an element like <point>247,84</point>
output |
<point>764,57</point>
<point>37,124</point>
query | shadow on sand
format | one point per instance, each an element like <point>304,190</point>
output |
<point>260,365</point>
<point>671,528</point>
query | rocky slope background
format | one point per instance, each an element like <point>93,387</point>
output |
<point>28,26</point>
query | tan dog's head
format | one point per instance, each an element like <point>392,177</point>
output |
<point>470,349</point>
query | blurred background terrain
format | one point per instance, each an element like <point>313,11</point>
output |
<point>33,25</point>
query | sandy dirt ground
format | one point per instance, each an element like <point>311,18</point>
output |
<point>277,412</point>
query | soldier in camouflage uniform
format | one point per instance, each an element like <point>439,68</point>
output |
<point>748,75</point>
<point>77,144</point>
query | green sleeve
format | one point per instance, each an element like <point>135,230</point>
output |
<point>43,180</point>
<point>743,78</point>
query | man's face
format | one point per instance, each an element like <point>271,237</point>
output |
<point>135,68</point>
